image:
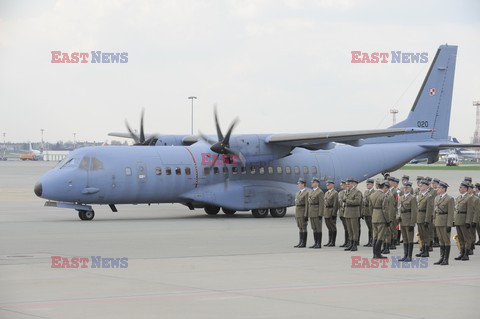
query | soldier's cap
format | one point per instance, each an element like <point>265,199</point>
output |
<point>385,184</point>
<point>380,181</point>
<point>342,181</point>
<point>352,180</point>
<point>406,177</point>
<point>465,184</point>
<point>470,185</point>
<point>393,179</point>
<point>369,181</point>
<point>468,179</point>
<point>330,181</point>
<point>428,179</point>
<point>425,182</point>
<point>301,180</point>
<point>443,184</point>
<point>408,184</point>
<point>316,179</point>
<point>477,185</point>
<point>419,178</point>
<point>436,180</point>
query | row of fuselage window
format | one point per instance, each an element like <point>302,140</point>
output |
<point>234,170</point>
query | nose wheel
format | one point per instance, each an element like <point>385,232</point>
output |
<point>86,214</point>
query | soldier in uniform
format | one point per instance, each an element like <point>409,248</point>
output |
<point>341,210</point>
<point>405,180</point>
<point>417,190</point>
<point>477,214</point>
<point>433,191</point>
<point>353,206</point>
<point>366,214</point>
<point>407,217</point>
<point>330,212</point>
<point>475,204</point>
<point>468,179</point>
<point>395,193</point>
<point>316,204</point>
<point>444,213</point>
<point>463,219</point>
<point>424,217</point>
<point>301,212</point>
<point>380,217</point>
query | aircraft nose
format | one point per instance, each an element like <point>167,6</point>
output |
<point>38,189</point>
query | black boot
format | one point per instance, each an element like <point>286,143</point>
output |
<point>378,248</point>
<point>435,244</point>
<point>386,249</point>
<point>442,255</point>
<point>369,244</point>
<point>303,244</point>
<point>392,244</point>
<point>425,251</point>
<point>399,234</point>
<point>465,255</point>
<point>354,246</point>
<point>319,241</point>
<point>334,238</point>
<point>462,252</point>
<point>299,240</point>
<point>446,256</point>
<point>405,252</point>
<point>429,247</point>
<point>349,246</point>
<point>346,240</point>
<point>420,253</point>
<point>374,249</point>
<point>329,239</point>
<point>410,252</point>
<point>315,238</point>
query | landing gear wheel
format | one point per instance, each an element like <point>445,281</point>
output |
<point>260,213</point>
<point>86,214</point>
<point>212,210</point>
<point>278,212</point>
<point>228,211</point>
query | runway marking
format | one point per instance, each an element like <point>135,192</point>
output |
<point>222,294</point>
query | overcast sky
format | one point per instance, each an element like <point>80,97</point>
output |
<point>280,66</point>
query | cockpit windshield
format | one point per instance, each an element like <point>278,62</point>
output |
<point>87,163</point>
<point>68,163</point>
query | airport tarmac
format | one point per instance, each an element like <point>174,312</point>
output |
<point>184,264</point>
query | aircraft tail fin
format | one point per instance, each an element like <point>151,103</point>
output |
<point>433,104</point>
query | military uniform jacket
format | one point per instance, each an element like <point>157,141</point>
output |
<point>341,204</point>
<point>476,205</point>
<point>464,210</point>
<point>301,203</point>
<point>444,210</point>
<point>402,191</point>
<point>353,203</point>
<point>378,206</point>
<point>316,203</point>
<point>433,192</point>
<point>331,203</point>
<point>366,202</point>
<point>425,208</point>
<point>393,195</point>
<point>407,210</point>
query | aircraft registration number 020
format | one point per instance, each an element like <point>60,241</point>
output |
<point>422,123</point>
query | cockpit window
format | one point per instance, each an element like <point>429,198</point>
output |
<point>96,164</point>
<point>69,162</point>
<point>85,163</point>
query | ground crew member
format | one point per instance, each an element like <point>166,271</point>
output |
<point>366,214</point>
<point>463,219</point>
<point>330,212</point>
<point>353,205</point>
<point>424,217</point>
<point>341,210</point>
<point>316,206</point>
<point>407,217</point>
<point>444,208</point>
<point>301,211</point>
<point>380,217</point>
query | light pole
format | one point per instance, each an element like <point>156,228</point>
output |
<point>192,98</point>
<point>4,146</point>
<point>74,140</point>
<point>41,148</point>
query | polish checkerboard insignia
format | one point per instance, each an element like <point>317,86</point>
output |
<point>432,92</point>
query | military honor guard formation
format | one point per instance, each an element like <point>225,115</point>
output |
<point>391,213</point>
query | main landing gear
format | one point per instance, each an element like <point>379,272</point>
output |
<point>86,214</point>
<point>257,213</point>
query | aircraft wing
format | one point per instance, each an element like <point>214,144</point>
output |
<point>321,140</point>
<point>454,145</point>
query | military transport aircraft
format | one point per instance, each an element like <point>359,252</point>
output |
<point>256,172</point>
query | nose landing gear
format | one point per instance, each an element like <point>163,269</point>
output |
<point>86,214</point>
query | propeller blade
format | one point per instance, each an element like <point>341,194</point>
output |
<point>219,131</point>
<point>132,134</point>
<point>226,140</point>
<point>142,134</point>
<point>206,139</point>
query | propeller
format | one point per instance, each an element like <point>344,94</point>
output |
<point>140,139</point>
